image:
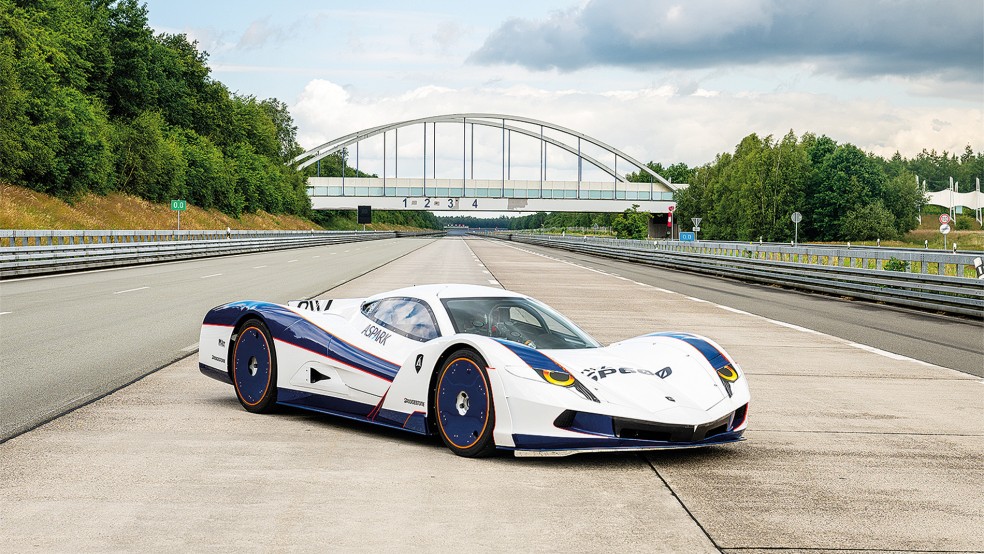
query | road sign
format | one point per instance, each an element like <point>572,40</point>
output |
<point>796,217</point>
<point>945,229</point>
<point>944,219</point>
<point>696,221</point>
<point>365,215</point>
<point>686,236</point>
<point>179,205</point>
<point>671,208</point>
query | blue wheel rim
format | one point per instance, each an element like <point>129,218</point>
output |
<point>463,403</point>
<point>252,365</point>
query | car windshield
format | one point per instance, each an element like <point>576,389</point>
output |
<point>521,320</point>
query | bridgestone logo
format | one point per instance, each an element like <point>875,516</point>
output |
<point>413,402</point>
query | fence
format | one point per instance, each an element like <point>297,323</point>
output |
<point>42,252</point>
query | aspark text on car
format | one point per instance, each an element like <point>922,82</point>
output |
<point>482,367</point>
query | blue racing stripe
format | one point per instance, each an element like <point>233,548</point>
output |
<point>712,354</point>
<point>531,356</point>
<point>286,326</point>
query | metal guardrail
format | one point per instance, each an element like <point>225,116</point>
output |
<point>43,252</point>
<point>839,271</point>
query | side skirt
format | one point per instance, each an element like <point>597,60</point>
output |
<point>355,411</point>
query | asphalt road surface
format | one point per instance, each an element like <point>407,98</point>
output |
<point>69,339</point>
<point>850,447</point>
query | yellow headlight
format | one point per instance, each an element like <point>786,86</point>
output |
<point>559,378</point>
<point>728,373</point>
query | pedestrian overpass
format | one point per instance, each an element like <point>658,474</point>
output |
<point>575,173</point>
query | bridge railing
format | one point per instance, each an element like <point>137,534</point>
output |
<point>935,280</point>
<point>37,252</point>
<point>483,188</point>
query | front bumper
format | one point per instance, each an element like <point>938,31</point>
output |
<point>581,431</point>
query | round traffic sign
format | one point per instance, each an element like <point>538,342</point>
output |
<point>945,229</point>
<point>944,218</point>
<point>796,217</point>
<point>671,208</point>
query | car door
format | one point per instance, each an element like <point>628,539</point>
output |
<point>385,331</point>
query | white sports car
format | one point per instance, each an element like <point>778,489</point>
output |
<point>484,368</point>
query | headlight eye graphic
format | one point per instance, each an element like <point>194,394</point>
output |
<point>728,373</point>
<point>559,378</point>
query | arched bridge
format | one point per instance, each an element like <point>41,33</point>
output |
<point>551,168</point>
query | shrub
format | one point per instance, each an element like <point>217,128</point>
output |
<point>895,264</point>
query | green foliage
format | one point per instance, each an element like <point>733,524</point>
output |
<point>842,192</point>
<point>869,222</point>
<point>895,264</point>
<point>631,224</point>
<point>92,101</point>
<point>346,219</point>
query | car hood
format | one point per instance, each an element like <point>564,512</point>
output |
<point>652,374</point>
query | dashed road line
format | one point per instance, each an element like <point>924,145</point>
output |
<point>130,290</point>
<point>212,275</point>
<point>5,313</point>
<point>701,300</point>
<point>258,266</point>
<point>291,261</point>
<point>493,282</point>
<point>190,347</point>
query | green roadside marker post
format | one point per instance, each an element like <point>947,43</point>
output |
<point>179,206</point>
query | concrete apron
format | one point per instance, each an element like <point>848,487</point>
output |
<point>847,449</point>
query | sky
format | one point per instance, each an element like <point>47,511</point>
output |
<point>664,80</point>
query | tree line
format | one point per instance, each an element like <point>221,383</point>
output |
<point>842,192</point>
<point>93,101</point>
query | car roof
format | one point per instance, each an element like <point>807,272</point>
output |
<point>437,292</point>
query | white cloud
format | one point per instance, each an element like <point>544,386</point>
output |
<point>846,38</point>
<point>651,124</point>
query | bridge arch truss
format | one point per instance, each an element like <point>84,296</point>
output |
<point>563,138</point>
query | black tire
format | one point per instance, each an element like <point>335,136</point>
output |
<point>464,410</point>
<point>253,367</point>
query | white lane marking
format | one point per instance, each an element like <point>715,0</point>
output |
<point>130,290</point>
<point>697,299</point>
<point>5,313</point>
<point>791,326</point>
<point>344,251</point>
<point>258,266</point>
<point>873,350</point>
<point>317,256</point>
<point>190,347</point>
<point>730,309</point>
<point>487,272</point>
<point>493,282</point>
<point>212,275</point>
<point>291,261</point>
